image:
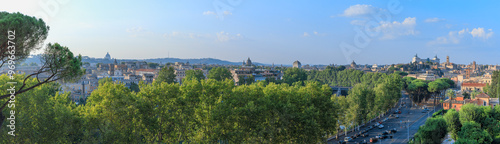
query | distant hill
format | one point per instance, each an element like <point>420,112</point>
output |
<point>36,59</point>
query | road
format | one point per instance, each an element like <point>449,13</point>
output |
<point>412,116</point>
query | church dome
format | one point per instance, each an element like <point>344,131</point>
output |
<point>107,56</point>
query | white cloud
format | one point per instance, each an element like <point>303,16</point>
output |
<point>433,20</point>
<point>480,33</point>
<point>360,10</point>
<point>456,37</point>
<point>358,22</point>
<point>209,13</point>
<point>391,30</point>
<point>135,29</point>
<point>224,36</point>
<point>213,13</point>
<point>306,34</point>
<point>176,34</point>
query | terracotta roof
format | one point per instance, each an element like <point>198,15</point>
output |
<point>453,101</point>
<point>473,84</point>
<point>146,70</point>
<point>482,95</point>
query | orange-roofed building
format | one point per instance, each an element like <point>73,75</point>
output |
<point>481,100</point>
<point>473,86</point>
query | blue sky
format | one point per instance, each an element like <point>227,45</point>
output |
<point>280,32</point>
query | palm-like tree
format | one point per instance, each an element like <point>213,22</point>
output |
<point>451,95</point>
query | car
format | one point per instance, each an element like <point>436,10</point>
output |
<point>397,116</point>
<point>376,124</point>
<point>381,126</point>
<point>396,112</point>
<point>385,133</point>
<point>399,112</point>
<point>383,136</point>
<point>370,127</point>
<point>348,139</point>
<point>393,131</point>
<point>372,140</point>
<point>365,135</point>
<point>362,142</point>
<point>357,135</point>
<point>380,122</point>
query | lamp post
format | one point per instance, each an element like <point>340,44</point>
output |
<point>408,127</point>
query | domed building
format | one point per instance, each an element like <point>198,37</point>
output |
<point>353,64</point>
<point>249,62</point>
<point>296,64</point>
<point>107,57</point>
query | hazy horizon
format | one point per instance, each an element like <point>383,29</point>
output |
<point>279,32</point>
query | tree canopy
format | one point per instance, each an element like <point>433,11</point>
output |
<point>166,74</point>
<point>30,33</point>
<point>220,74</point>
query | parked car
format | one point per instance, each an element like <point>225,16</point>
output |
<point>383,136</point>
<point>385,133</point>
<point>357,135</point>
<point>370,127</point>
<point>399,112</point>
<point>348,139</point>
<point>396,112</point>
<point>393,131</point>
<point>376,124</point>
<point>362,142</point>
<point>365,135</point>
<point>381,126</point>
<point>397,116</point>
<point>372,140</point>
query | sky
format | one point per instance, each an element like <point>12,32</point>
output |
<point>279,31</point>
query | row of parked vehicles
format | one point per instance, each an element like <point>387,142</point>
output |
<point>379,125</point>
<point>364,133</point>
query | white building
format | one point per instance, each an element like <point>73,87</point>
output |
<point>416,59</point>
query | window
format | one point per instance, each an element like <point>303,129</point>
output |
<point>484,103</point>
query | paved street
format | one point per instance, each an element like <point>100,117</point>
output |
<point>413,115</point>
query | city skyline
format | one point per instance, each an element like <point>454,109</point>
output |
<point>272,32</point>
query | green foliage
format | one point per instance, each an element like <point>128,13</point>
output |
<point>439,113</point>
<point>166,74</point>
<point>453,122</point>
<point>109,115</point>
<point>194,75</point>
<point>471,132</point>
<point>343,77</point>
<point>30,33</point>
<point>470,112</point>
<point>134,87</point>
<point>418,90</point>
<point>494,88</point>
<point>61,63</point>
<point>293,75</point>
<point>432,132</point>
<point>246,79</point>
<point>153,65</point>
<point>43,115</point>
<point>220,74</point>
<point>401,73</point>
